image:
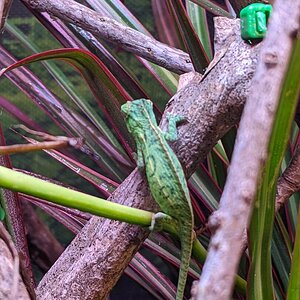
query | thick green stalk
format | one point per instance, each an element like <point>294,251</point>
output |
<point>29,185</point>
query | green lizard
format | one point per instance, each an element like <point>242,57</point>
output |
<point>164,174</point>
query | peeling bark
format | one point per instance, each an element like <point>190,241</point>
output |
<point>289,181</point>
<point>212,104</point>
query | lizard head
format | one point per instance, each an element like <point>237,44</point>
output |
<point>137,113</point>
<point>136,107</point>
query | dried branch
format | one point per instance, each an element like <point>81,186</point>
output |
<point>49,142</point>
<point>252,142</point>
<point>23,148</point>
<point>212,104</point>
<point>289,182</point>
<point>105,28</point>
<point>4,10</point>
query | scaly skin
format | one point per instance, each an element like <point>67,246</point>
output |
<point>164,174</point>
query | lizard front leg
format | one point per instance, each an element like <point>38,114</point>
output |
<point>171,134</point>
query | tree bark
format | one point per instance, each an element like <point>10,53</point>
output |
<point>122,36</point>
<point>289,182</point>
<point>212,104</point>
<point>250,154</point>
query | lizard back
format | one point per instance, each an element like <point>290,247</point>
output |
<point>163,170</point>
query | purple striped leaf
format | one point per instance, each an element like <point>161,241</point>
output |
<point>15,224</point>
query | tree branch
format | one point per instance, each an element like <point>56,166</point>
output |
<point>122,36</point>
<point>212,104</point>
<point>252,142</point>
<point>289,182</point>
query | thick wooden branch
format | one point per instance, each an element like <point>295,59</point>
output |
<point>122,36</point>
<point>249,155</point>
<point>92,264</point>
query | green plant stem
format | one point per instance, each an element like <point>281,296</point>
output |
<point>29,185</point>
<point>19,182</point>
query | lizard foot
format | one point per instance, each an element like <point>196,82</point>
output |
<point>159,220</point>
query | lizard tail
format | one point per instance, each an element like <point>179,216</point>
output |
<point>186,240</point>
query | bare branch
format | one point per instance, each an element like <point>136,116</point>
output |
<point>289,182</point>
<point>105,28</point>
<point>4,10</point>
<point>49,142</point>
<point>212,104</point>
<point>252,142</point>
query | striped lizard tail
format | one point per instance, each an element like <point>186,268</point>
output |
<point>186,240</point>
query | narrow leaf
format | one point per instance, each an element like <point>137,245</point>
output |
<point>293,292</point>
<point>73,223</point>
<point>165,25</point>
<point>101,81</point>
<point>189,36</point>
<point>213,8</point>
<point>206,188</point>
<point>153,276</point>
<point>199,20</point>
<point>15,223</point>
<point>118,11</point>
<point>18,114</point>
<point>104,184</point>
<point>129,271</point>
<point>64,82</point>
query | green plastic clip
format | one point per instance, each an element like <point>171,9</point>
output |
<point>254,19</point>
